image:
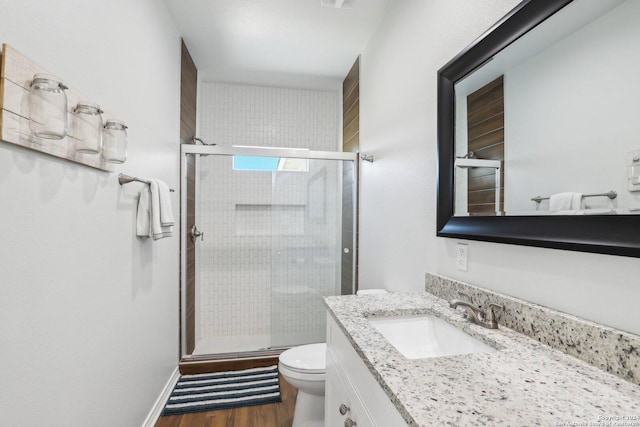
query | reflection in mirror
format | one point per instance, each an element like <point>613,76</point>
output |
<point>556,113</point>
<point>479,184</point>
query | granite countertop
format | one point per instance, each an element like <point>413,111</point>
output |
<point>523,383</point>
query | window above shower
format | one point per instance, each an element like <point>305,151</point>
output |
<point>270,164</point>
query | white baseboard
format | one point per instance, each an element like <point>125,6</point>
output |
<point>154,414</point>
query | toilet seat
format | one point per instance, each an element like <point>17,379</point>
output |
<point>309,360</point>
<point>290,374</point>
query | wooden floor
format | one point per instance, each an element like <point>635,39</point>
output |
<point>269,415</point>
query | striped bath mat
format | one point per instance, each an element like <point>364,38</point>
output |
<point>223,390</point>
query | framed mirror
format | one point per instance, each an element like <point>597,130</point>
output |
<point>536,130</point>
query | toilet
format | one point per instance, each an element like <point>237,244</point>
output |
<point>304,368</point>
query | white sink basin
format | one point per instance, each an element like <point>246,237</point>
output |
<point>418,337</point>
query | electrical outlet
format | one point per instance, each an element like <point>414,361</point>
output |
<point>461,256</point>
<point>633,170</point>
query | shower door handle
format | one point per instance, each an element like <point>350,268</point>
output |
<point>195,233</point>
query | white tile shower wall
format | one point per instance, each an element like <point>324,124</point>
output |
<point>269,117</point>
<point>265,283</point>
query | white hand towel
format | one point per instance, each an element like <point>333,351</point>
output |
<point>576,201</point>
<point>598,212</point>
<point>166,212</point>
<point>565,201</point>
<point>157,230</point>
<point>567,212</point>
<point>587,212</point>
<point>143,217</point>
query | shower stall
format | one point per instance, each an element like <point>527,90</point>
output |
<point>266,233</point>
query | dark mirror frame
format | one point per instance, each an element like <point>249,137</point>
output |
<point>606,234</point>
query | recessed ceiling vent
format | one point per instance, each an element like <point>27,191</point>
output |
<point>338,4</point>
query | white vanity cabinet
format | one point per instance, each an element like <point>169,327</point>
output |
<point>341,401</point>
<point>352,395</point>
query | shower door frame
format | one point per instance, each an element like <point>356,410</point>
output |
<point>186,149</point>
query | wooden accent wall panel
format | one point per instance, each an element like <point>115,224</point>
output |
<point>188,103</point>
<point>347,261</point>
<point>351,109</point>
<point>350,143</point>
<point>188,97</point>
<point>190,266</point>
<point>485,127</point>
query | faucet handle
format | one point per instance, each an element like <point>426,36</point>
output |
<point>491,316</point>
<point>465,296</point>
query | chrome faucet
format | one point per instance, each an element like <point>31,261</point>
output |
<point>475,314</point>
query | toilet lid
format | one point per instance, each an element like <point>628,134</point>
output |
<point>310,358</point>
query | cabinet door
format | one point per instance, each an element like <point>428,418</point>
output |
<point>335,395</point>
<point>338,393</point>
<point>358,380</point>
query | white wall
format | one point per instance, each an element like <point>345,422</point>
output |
<point>88,312</point>
<point>398,126</point>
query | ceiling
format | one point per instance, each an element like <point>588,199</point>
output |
<point>289,43</point>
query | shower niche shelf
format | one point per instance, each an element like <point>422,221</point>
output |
<point>269,220</point>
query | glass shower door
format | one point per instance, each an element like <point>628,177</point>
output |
<point>307,248</point>
<point>232,272</point>
<point>273,241</point>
